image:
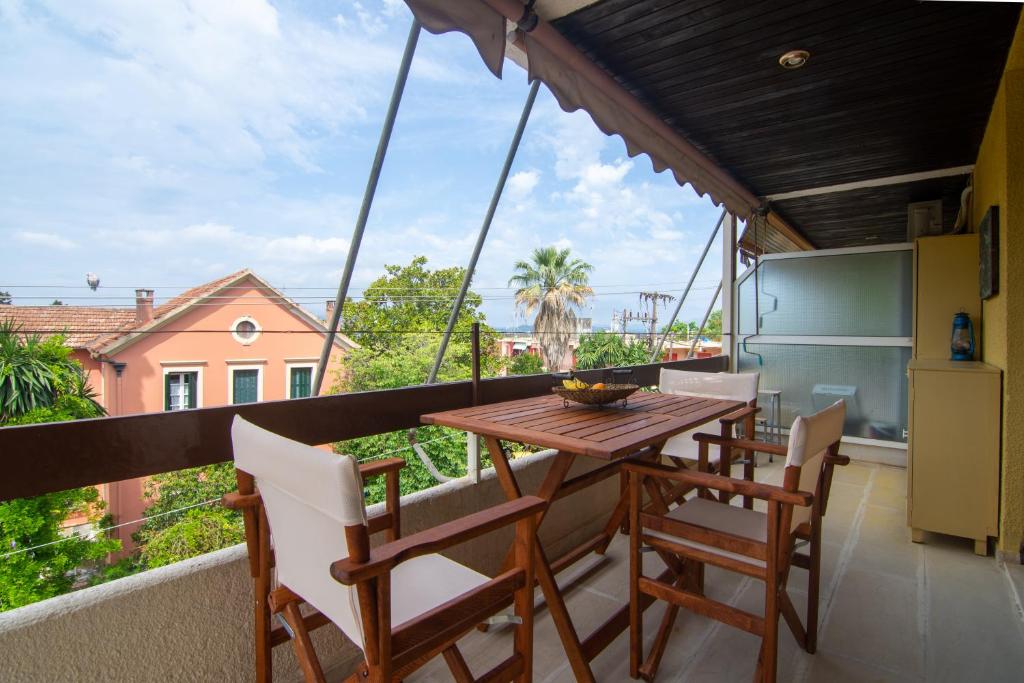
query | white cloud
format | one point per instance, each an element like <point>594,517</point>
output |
<point>44,239</point>
<point>223,82</point>
<point>521,184</point>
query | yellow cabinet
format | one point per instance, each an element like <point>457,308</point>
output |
<point>954,449</point>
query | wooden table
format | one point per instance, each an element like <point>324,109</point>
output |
<point>613,434</point>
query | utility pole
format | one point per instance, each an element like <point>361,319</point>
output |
<point>648,315</point>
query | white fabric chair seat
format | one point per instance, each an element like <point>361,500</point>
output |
<point>417,586</point>
<point>423,583</point>
<point>718,517</point>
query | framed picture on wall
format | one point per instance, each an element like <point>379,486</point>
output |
<point>988,234</point>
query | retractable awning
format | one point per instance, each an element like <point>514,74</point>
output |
<point>577,83</point>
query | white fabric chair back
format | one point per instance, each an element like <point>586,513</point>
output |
<point>310,496</point>
<point>809,439</point>
<point>727,385</point>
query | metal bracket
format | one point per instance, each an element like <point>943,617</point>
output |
<point>503,619</point>
<point>285,625</point>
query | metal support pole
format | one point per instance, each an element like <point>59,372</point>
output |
<point>472,440</point>
<point>693,276</point>
<point>468,277</point>
<point>729,235</point>
<point>484,228</point>
<point>364,209</point>
<point>704,322</point>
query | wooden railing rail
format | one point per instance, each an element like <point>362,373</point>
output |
<point>44,458</point>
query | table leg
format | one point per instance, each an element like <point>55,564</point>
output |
<point>559,613</point>
<point>621,512</point>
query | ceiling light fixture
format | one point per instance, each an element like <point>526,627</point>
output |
<point>794,59</point>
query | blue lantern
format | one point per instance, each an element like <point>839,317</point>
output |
<point>962,343</point>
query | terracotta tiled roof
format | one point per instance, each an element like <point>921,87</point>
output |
<point>191,295</point>
<point>84,325</point>
<point>96,328</point>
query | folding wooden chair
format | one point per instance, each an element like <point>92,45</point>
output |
<point>401,602</point>
<point>266,634</point>
<point>758,544</point>
<point>683,449</point>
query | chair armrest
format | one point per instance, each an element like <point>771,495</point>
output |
<point>240,501</point>
<point>746,444</point>
<point>386,557</point>
<point>837,459</point>
<point>375,468</point>
<point>717,482</point>
<point>742,413</point>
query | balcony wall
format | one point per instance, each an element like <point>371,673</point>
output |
<point>192,621</point>
<point>999,181</point>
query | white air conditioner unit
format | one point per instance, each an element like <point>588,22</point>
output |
<point>924,219</point>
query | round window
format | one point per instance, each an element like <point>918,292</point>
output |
<point>245,330</point>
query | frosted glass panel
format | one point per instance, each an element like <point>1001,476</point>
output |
<point>872,379</point>
<point>845,295</point>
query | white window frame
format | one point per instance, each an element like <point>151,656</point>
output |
<point>242,340</point>
<point>289,366</point>
<point>232,367</point>
<point>176,368</point>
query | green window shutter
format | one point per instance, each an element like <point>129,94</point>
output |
<point>191,380</point>
<point>301,382</point>
<point>244,386</point>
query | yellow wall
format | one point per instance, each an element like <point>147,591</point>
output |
<point>999,180</point>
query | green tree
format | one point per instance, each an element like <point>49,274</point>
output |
<point>397,324</point>
<point>609,350</point>
<point>40,382</point>
<point>713,329</point>
<point>553,285</point>
<point>525,364</point>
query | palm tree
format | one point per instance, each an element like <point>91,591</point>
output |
<point>553,285</point>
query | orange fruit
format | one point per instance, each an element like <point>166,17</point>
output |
<point>599,385</point>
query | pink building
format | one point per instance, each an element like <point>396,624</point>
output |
<point>233,340</point>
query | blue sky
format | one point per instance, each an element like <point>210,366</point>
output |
<point>166,143</point>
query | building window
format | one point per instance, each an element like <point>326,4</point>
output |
<point>245,385</point>
<point>245,330</point>
<point>181,390</point>
<point>300,382</point>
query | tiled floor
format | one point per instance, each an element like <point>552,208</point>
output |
<point>890,610</point>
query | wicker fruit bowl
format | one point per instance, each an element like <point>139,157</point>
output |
<point>596,397</point>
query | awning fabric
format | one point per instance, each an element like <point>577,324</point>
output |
<point>573,91</point>
<point>519,346</point>
<point>484,26</point>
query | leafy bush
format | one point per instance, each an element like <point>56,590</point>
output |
<point>201,531</point>
<point>609,350</point>
<point>525,364</point>
<point>40,382</point>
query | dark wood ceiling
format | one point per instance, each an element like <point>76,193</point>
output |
<point>891,87</point>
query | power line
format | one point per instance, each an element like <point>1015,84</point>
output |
<point>89,330</point>
<point>261,300</point>
<point>97,532</point>
<point>183,288</point>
